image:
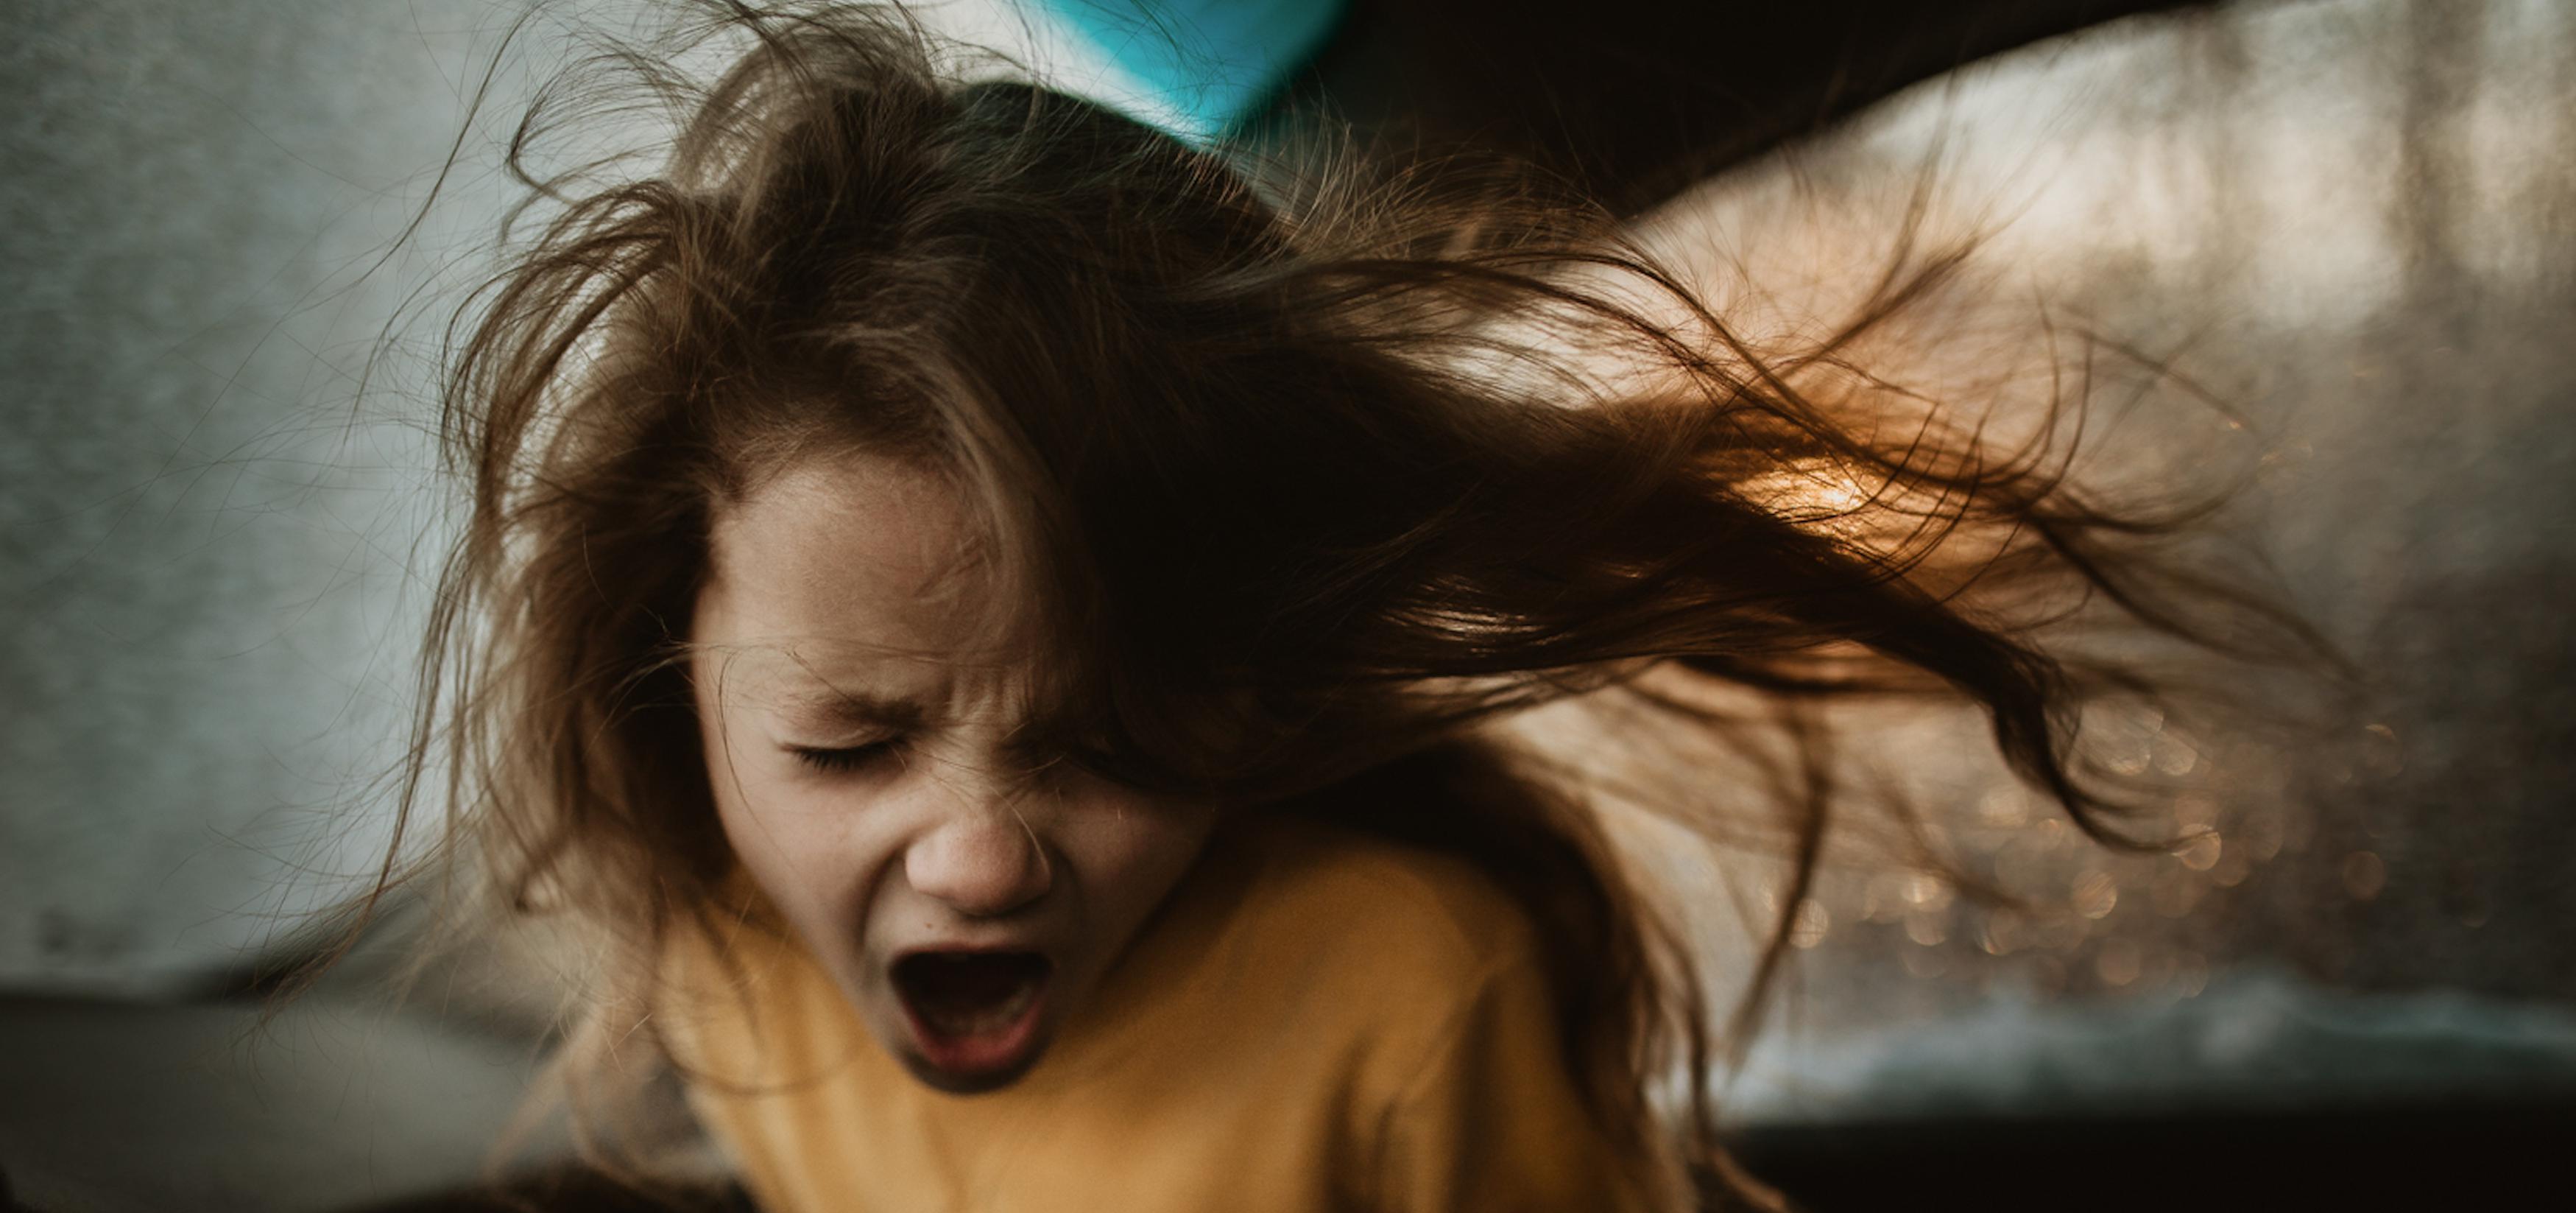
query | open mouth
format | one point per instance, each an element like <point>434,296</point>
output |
<point>974,1014</point>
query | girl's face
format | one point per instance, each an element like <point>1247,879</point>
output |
<point>966,894</point>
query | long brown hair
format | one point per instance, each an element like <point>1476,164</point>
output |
<point>1316,477</point>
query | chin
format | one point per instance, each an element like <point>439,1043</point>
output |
<point>980,1082</point>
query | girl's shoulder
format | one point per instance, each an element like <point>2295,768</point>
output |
<point>1409,990</point>
<point>1331,884</point>
<point>1323,922</point>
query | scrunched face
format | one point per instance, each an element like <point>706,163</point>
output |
<point>871,764</point>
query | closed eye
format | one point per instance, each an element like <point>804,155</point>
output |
<point>846,758</point>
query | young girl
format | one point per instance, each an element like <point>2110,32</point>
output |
<point>1004,627</point>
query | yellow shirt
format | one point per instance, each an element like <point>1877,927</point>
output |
<point>1314,1021</point>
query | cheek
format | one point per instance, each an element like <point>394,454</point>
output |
<point>1130,851</point>
<point>736,789</point>
<point>797,846</point>
<point>769,843</point>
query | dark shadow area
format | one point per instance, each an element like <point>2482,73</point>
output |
<point>568,1192</point>
<point>2399,1156</point>
<point>1635,99</point>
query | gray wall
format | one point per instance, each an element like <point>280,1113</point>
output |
<point>206,538</point>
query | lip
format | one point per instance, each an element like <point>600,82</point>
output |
<point>983,1060</point>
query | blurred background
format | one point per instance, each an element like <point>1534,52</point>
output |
<point>2353,220</point>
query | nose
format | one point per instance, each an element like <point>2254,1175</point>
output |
<point>983,861</point>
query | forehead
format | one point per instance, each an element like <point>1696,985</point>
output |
<point>846,556</point>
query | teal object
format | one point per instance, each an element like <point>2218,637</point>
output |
<point>1205,65</point>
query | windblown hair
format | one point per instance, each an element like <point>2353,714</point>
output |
<point>1311,480</point>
